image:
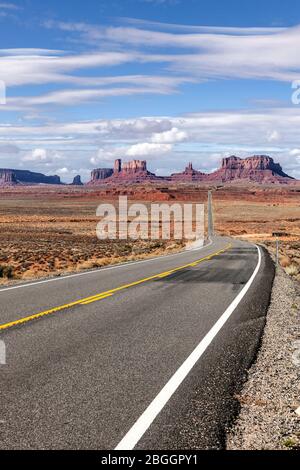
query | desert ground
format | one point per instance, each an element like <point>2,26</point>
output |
<point>48,231</point>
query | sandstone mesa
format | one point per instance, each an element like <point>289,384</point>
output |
<point>259,169</point>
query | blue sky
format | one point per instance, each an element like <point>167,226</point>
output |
<point>164,80</point>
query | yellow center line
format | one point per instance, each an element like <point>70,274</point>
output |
<point>109,293</point>
<point>165,274</point>
<point>99,297</point>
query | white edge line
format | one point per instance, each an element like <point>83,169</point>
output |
<point>146,419</point>
<point>97,271</point>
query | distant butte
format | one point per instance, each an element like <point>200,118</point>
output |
<point>77,181</point>
<point>189,174</point>
<point>257,169</point>
<point>134,171</point>
<point>10,177</point>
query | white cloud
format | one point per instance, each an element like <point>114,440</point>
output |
<point>37,68</point>
<point>76,96</point>
<point>172,136</point>
<point>161,2</point>
<point>29,52</point>
<point>187,28</point>
<point>62,171</point>
<point>199,53</point>
<point>140,150</point>
<point>241,127</point>
<point>147,149</point>
<point>252,53</point>
<point>294,152</point>
<point>9,149</point>
<point>108,154</point>
<point>273,136</point>
<point>25,66</point>
<point>9,6</point>
<point>139,128</point>
<point>40,155</point>
<point>207,136</point>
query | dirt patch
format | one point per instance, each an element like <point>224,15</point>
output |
<point>44,237</point>
<point>52,230</point>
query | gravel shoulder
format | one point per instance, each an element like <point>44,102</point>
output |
<point>269,417</point>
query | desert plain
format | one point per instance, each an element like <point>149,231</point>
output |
<point>51,230</point>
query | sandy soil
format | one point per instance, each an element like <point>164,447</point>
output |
<point>52,230</point>
<point>41,237</point>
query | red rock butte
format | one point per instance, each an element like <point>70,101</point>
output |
<point>189,174</point>
<point>257,169</point>
<point>134,171</point>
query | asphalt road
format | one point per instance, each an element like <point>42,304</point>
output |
<point>81,376</point>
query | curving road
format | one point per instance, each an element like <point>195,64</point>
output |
<point>143,355</point>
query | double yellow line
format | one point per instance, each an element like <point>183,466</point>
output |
<point>109,293</point>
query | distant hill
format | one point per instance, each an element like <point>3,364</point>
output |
<point>9,177</point>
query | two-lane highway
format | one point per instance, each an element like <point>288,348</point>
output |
<point>146,355</point>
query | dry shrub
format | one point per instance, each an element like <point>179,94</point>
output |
<point>29,274</point>
<point>285,261</point>
<point>292,270</point>
<point>86,265</point>
<point>6,271</point>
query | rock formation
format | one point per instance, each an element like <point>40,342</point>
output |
<point>101,174</point>
<point>258,168</point>
<point>117,166</point>
<point>135,166</point>
<point>11,177</point>
<point>77,181</point>
<point>189,174</point>
<point>7,178</point>
<point>134,171</point>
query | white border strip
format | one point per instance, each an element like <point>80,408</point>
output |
<point>97,271</point>
<point>146,419</point>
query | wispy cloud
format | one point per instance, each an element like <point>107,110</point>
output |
<point>29,52</point>
<point>36,68</point>
<point>161,2</point>
<point>192,56</point>
<point>204,52</point>
<point>19,67</point>
<point>188,28</point>
<point>9,6</point>
<point>79,96</point>
<point>9,10</point>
